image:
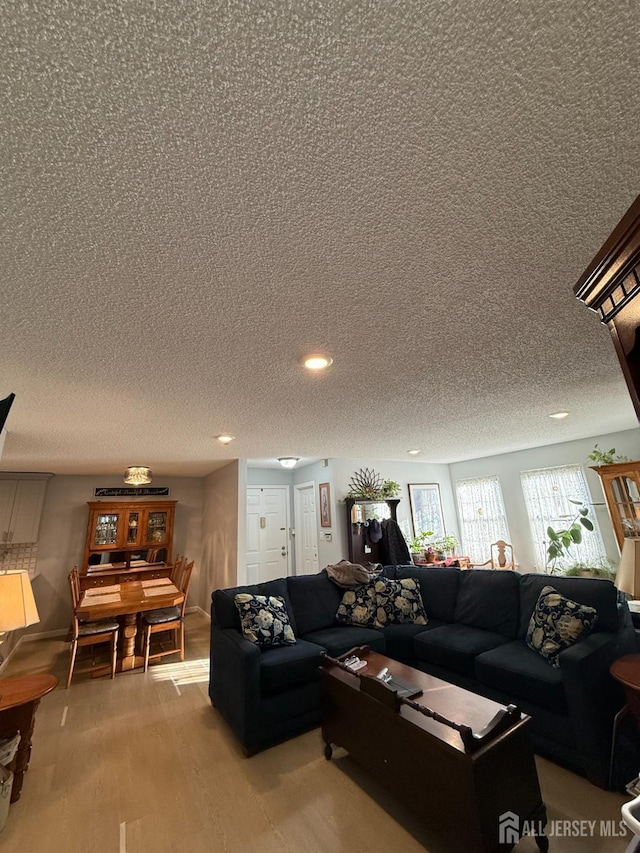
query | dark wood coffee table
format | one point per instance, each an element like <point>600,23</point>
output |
<point>475,798</point>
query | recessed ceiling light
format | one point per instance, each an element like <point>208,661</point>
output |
<point>559,415</point>
<point>288,461</point>
<point>317,361</point>
<point>413,452</point>
<point>225,439</point>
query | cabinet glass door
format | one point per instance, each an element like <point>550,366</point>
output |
<point>106,529</point>
<point>156,530</point>
<point>626,497</point>
<point>133,528</point>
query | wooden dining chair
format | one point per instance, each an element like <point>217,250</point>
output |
<point>176,571</point>
<point>501,556</point>
<point>167,619</point>
<point>89,633</point>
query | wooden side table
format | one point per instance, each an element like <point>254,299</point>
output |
<point>626,670</point>
<point>19,700</point>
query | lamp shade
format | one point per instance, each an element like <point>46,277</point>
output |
<point>628,574</point>
<point>17,605</point>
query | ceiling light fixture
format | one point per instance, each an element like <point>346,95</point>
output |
<point>225,439</point>
<point>413,452</point>
<point>137,475</point>
<point>288,461</point>
<point>317,361</point>
<point>559,415</point>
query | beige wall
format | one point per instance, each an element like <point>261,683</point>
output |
<point>63,529</point>
<point>223,525</point>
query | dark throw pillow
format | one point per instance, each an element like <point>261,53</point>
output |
<point>358,606</point>
<point>264,620</point>
<point>398,603</point>
<point>557,623</point>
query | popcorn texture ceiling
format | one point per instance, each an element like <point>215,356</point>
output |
<point>194,195</point>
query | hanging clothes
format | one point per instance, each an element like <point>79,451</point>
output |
<point>393,547</point>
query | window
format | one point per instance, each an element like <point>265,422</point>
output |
<point>548,493</point>
<point>426,509</point>
<point>482,516</point>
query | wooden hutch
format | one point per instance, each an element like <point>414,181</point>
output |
<point>127,540</point>
<point>359,512</point>
<point>621,486</point>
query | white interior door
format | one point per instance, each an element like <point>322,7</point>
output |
<point>267,533</point>
<point>306,522</point>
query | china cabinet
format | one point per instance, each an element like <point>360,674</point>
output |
<point>359,513</point>
<point>127,533</point>
<point>621,485</point>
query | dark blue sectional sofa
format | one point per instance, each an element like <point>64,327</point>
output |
<point>474,638</point>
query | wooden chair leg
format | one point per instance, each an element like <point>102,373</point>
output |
<point>147,646</point>
<point>114,653</point>
<point>74,649</point>
<point>182,641</point>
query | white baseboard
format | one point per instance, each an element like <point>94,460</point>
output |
<point>197,609</point>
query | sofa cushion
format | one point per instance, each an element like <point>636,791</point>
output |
<point>399,639</point>
<point>358,606</point>
<point>593,592</point>
<point>438,588</point>
<point>520,672</point>
<point>456,646</point>
<point>556,623</point>
<point>314,599</point>
<point>225,610</point>
<point>341,638</point>
<point>264,620</point>
<point>398,602</point>
<point>282,667</point>
<point>489,599</point>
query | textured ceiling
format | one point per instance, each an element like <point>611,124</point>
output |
<point>196,194</point>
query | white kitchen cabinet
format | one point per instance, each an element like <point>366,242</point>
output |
<point>21,502</point>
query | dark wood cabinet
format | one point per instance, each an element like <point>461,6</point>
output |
<point>611,286</point>
<point>359,513</point>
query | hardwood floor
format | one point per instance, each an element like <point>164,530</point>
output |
<point>144,764</point>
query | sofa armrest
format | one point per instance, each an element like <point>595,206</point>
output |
<point>234,678</point>
<point>593,698</point>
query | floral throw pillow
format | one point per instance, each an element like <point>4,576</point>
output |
<point>557,623</point>
<point>358,606</point>
<point>264,620</point>
<point>399,602</point>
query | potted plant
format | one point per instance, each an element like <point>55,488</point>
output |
<point>602,568</point>
<point>605,457</point>
<point>445,544</point>
<point>418,545</point>
<point>561,541</point>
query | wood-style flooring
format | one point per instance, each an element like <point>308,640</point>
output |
<point>144,764</point>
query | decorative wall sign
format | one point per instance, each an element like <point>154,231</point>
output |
<point>130,491</point>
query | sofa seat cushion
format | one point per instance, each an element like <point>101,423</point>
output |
<point>399,639</point>
<point>341,638</point>
<point>283,667</point>
<point>456,646</point>
<point>522,673</point>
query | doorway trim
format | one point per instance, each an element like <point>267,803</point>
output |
<point>297,515</point>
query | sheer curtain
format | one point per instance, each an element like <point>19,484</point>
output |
<point>547,494</point>
<point>483,519</point>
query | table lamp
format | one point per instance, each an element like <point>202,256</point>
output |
<point>628,574</point>
<point>17,605</point>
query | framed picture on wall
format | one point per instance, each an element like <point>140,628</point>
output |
<point>426,508</point>
<point>325,505</point>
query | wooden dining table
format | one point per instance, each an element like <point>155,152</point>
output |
<point>126,600</point>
